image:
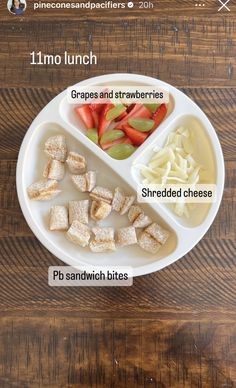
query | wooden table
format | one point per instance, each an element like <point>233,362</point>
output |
<point>173,328</point>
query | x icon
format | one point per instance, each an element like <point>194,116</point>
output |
<point>224,5</point>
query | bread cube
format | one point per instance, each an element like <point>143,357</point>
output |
<point>78,211</point>
<point>76,163</point>
<point>103,234</point>
<point>58,218</point>
<point>138,218</point>
<point>126,236</point>
<point>56,148</point>
<point>78,234</point>
<point>122,203</point>
<point>148,243</point>
<point>54,169</point>
<point>103,240</point>
<point>99,210</point>
<point>101,194</point>
<point>102,246</point>
<point>43,190</point>
<point>85,182</point>
<point>157,232</point>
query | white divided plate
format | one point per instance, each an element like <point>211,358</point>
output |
<point>58,117</point>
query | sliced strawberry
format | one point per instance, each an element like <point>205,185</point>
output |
<point>95,115</point>
<point>137,138</point>
<point>159,116</point>
<point>135,108</point>
<point>96,107</point>
<point>84,113</point>
<point>127,140</point>
<point>142,113</point>
<point>138,111</point>
<point>103,122</point>
<point>109,144</point>
<point>123,140</point>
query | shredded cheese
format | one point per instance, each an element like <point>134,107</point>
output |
<point>174,164</point>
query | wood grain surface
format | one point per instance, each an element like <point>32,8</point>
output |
<point>117,353</point>
<point>182,51</point>
<point>175,328</point>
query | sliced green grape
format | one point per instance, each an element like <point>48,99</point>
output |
<point>143,125</point>
<point>121,151</point>
<point>152,107</point>
<point>92,134</point>
<point>115,112</point>
<point>111,135</point>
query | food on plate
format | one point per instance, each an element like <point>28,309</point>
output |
<point>78,233</point>
<point>122,203</point>
<point>126,236</point>
<point>129,200</point>
<point>118,199</point>
<point>80,182</point>
<point>103,241</point>
<point>157,232</point>
<point>135,111</point>
<point>111,137</point>
<point>58,218</point>
<point>152,238</point>
<point>136,137</point>
<point>78,211</point>
<point>90,180</point>
<point>85,182</point>
<point>54,169</point>
<point>56,148</point>
<point>104,234</point>
<point>158,116</point>
<point>104,121</point>
<point>43,190</point>
<point>137,217</point>
<point>148,243</point>
<point>118,128</point>
<point>76,163</point>
<point>174,164</point>
<point>143,125</point>
<point>152,107</point>
<point>101,194</point>
<point>121,151</point>
<point>85,115</point>
<point>116,112</point>
<point>47,188</point>
<point>100,210</point>
<point>74,216</point>
<point>102,246</point>
<point>92,134</point>
<point>142,221</point>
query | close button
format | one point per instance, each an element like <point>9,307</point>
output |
<point>224,5</point>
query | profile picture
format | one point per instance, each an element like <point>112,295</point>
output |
<point>16,7</point>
